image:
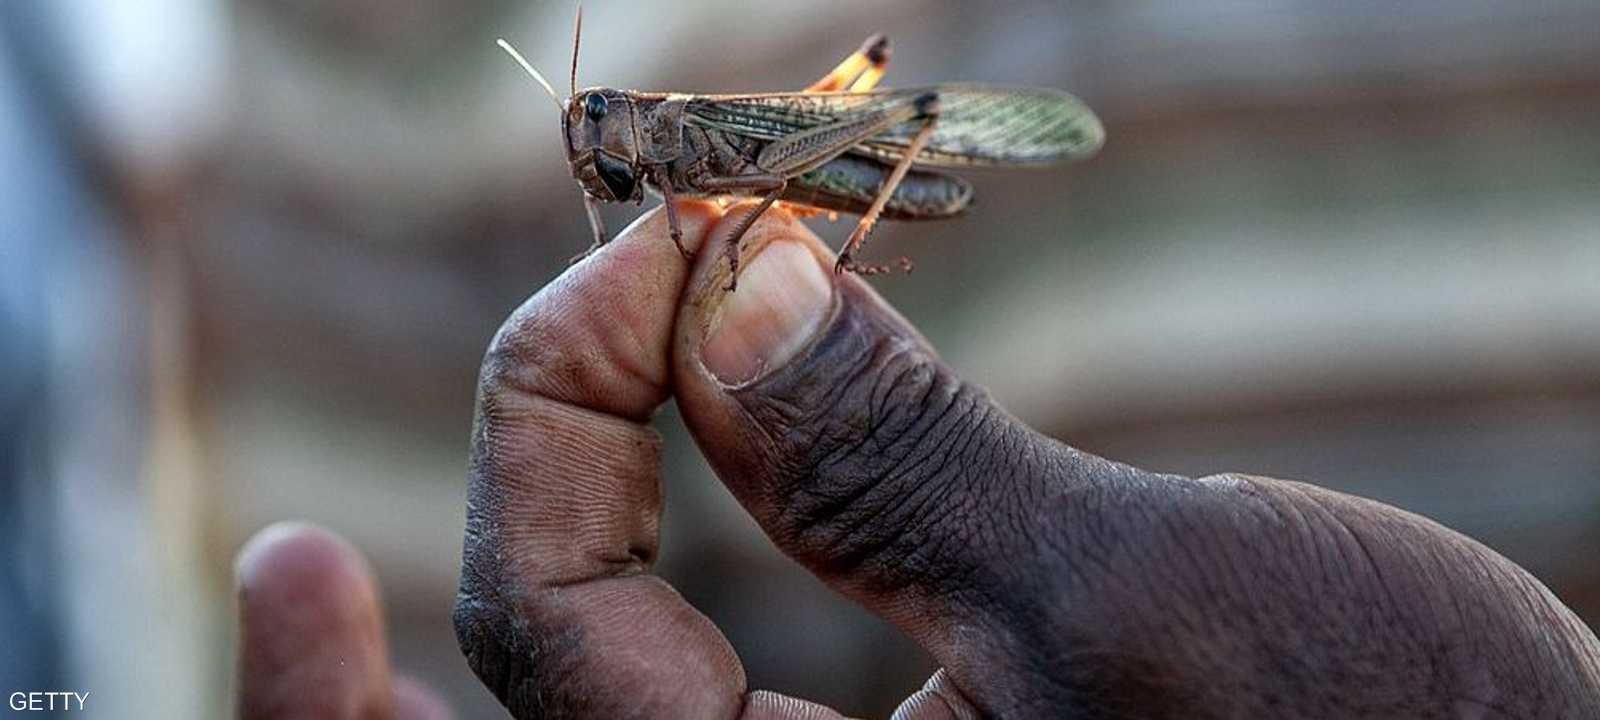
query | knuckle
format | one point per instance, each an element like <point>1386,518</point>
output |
<point>527,665</point>
<point>570,343</point>
<point>521,352</point>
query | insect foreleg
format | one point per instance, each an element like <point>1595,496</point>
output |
<point>928,109</point>
<point>869,61</point>
<point>596,223</point>
<point>664,181</point>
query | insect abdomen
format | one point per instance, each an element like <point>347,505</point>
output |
<point>849,184</point>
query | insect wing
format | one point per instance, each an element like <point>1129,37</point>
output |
<point>982,125</point>
<point>775,115</point>
<point>978,124</point>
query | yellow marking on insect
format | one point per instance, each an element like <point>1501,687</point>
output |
<point>868,80</point>
<point>841,75</point>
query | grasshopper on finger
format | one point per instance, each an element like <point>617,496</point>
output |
<point>840,145</point>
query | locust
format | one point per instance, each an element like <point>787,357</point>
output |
<point>841,145</point>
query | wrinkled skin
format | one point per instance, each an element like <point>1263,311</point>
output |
<point>1047,582</point>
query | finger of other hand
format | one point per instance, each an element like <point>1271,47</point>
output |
<point>311,640</point>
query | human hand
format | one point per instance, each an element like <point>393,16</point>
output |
<point>1047,582</point>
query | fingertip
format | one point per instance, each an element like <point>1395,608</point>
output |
<point>597,336</point>
<point>698,210</point>
<point>776,223</point>
<point>696,220</point>
<point>415,701</point>
<point>310,627</point>
<point>295,560</point>
<point>648,239</point>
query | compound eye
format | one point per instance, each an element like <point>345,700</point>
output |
<point>594,106</point>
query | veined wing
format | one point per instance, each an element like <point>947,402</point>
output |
<point>978,124</point>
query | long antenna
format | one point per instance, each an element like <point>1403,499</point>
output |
<point>535,73</point>
<point>577,34</point>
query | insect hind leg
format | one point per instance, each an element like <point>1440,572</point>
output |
<point>860,71</point>
<point>902,263</point>
<point>928,110</point>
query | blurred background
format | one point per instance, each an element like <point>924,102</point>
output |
<point>251,253</point>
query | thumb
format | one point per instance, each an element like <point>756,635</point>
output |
<point>860,454</point>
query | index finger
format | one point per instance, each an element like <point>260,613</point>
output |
<point>556,607</point>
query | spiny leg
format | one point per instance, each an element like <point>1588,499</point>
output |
<point>859,71</point>
<point>928,110</point>
<point>769,183</point>
<point>730,246</point>
<point>665,183</point>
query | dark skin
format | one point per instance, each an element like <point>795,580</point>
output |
<point>1047,582</point>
